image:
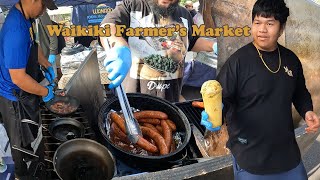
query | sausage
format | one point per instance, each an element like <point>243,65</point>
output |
<point>159,128</point>
<point>150,114</point>
<point>159,140</point>
<point>167,134</point>
<point>198,104</point>
<point>172,125</point>
<point>117,132</point>
<point>146,145</point>
<point>151,127</point>
<point>150,121</point>
<point>118,120</point>
<point>143,143</point>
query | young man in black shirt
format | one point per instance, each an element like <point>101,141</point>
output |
<point>260,82</point>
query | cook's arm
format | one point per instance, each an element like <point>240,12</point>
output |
<point>118,59</point>
<point>114,41</point>
<point>119,16</point>
<point>203,45</point>
<point>25,82</point>
<point>42,60</point>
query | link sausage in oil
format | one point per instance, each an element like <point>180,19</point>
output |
<point>159,140</point>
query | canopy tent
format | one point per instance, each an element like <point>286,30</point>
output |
<point>8,3</point>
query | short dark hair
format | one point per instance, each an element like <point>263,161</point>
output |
<point>271,8</point>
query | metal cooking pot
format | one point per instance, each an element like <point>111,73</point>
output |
<point>146,102</point>
<point>79,159</point>
<point>63,99</point>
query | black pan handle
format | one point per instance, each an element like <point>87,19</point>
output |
<point>28,152</point>
<point>33,123</point>
<point>44,69</point>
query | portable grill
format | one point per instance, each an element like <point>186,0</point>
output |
<point>193,113</point>
<point>51,144</point>
<point>123,169</point>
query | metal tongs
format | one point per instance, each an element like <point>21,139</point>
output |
<point>55,81</point>
<point>132,126</point>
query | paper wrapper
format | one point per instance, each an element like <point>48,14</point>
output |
<point>212,98</point>
<point>215,142</point>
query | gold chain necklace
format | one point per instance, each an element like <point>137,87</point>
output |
<point>260,55</point>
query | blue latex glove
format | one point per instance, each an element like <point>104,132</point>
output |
<point>215,48</point>
<point>206,123</point>
<point>50,75</point>
<point>50,94</point>
<point>117,64</point>
<point>52,59</point>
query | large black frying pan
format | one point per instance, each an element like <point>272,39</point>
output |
<point>80,159</point>
<point>85,159</point>
<point>71,101</point>
<point>64,129</point>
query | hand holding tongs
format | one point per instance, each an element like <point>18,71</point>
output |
<point>132,126</point>
<point>55,81</point>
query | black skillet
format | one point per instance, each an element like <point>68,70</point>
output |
<point>65,99</point>
<point>80,159</point>
<point>73,102</point>
<point>64,129</point>
<point>83,159</point>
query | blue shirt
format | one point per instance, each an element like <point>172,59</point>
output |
<point>15,45</point>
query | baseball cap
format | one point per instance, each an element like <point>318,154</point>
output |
<point>50,4</point>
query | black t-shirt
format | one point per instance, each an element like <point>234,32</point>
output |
<point>158,79</point>
<point>258,108</point>
<point>193,12</point>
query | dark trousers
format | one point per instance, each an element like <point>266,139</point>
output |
<point>297,173</point>
<point>18,133</point>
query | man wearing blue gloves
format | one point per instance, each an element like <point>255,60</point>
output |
<point>260,125</point>
<point>150,64</point>
<point>19,76</point>
<point>118,65</point>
